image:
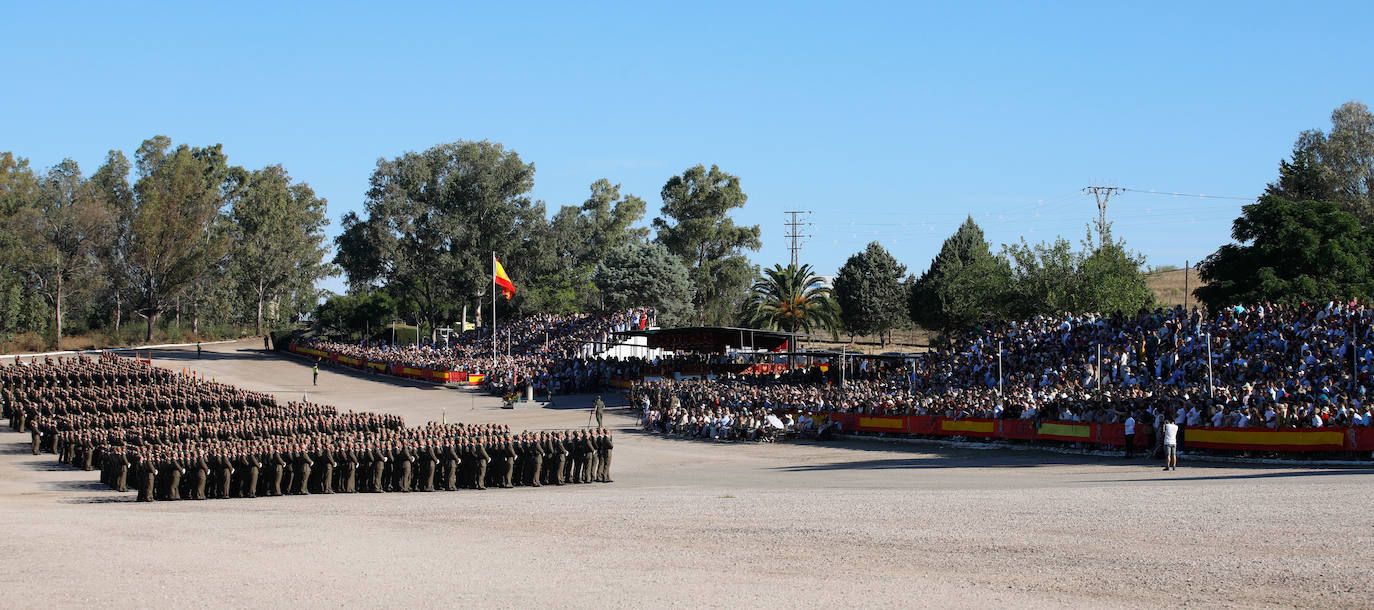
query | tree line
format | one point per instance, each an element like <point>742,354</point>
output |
<point>178,233</point>
<point>180,237</point>
<point>1308,238</point>
<point>420,250</point>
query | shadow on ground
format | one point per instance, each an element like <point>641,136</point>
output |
<point>187,358</point>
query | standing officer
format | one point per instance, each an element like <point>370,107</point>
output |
<point>303,464</point>
<point>146,477</point>
<point>605,456</point>
<point>200,473</point>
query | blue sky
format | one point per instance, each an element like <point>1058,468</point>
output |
<point>890,122</point>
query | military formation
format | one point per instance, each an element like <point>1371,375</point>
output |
<point>175,437</point>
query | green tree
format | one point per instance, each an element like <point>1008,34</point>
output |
<point>964,285</point>
<point>18,193</point>
<point>175,231</point>
<point>645,275</point>
<point>1334,166</point>
<point>63,235</point>
<point>110,185</point>
<point>697,228</point>
<point>1111,278</point>
<point>279,242</point>
<point>1054,278</point>
<point>434,219</point>
<point>1044,279</point>
<point>359,252</point>
<point>868,288</point>
<point>1288,252</point>
<point>792,299</point>
<point>1349,154</point>
<point>355,313</point>
<point>566,250</point>
<point>1305,177</point>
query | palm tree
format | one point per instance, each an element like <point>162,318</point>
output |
<point>792,299</point>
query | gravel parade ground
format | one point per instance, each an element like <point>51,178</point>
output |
<point>693,524</point>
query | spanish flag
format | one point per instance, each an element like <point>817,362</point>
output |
<point>500,278</point>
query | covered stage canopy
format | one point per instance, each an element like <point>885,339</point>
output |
<point>712,339</point>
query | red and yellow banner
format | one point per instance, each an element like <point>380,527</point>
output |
<point>1241,439</point>
<point>1333,439</point>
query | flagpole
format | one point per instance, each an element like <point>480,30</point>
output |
<point>493,313</point>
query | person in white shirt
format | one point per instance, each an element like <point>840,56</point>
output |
<point>1130,434</point>
<point>1170,445</point>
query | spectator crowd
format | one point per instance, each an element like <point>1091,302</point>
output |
<point>1263,367</point>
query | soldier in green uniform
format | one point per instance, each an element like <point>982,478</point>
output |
<point>276,471</point>
<point>559,457</point>
<point>535,447</point>
<point>253,467</point>
<point>348,476</point>
<point>200,471</point>
<point>302,462</point>
<point>378,470</point>
<point>593,457</point>
<point>450,463</point>
<point>605,456</point>
<point>480,461</point>
<point>326,459</point>
<point>174,469</point>
<point>571,456</point>
<point>147,478</point>
<point>120,458</point>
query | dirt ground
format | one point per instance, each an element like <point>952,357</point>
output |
<point>694,524</point>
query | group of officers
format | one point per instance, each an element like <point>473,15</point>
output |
<point>212,443</point>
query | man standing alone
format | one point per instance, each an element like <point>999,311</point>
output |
<point>1170,445</point>
<point>1130,433</point>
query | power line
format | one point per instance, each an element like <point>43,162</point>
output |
<point>1154,192</point>
<point>794,236</point>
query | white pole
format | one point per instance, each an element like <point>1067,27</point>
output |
<point>1210,385</point>
<point>999,368</point>
<point>493,312</point>
<point>842,360</point>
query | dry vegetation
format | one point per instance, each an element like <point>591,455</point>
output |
<point>1168,286</point>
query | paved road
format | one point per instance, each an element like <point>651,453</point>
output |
<point>692,523</point>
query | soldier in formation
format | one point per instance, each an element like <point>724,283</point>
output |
<point>174,437</point>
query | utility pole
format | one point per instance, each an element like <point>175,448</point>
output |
<point>1187,269</point>
<point>1102,194</point>
<point>794,236</point>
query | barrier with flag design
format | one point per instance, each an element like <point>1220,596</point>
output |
<point>1238,439</point>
